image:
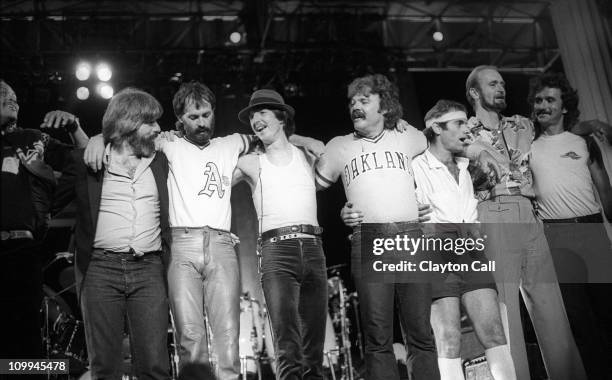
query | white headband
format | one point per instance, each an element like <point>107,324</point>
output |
<point>454,115</point>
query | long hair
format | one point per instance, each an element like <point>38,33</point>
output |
<point>569,98</point>
<point>388,92</point>
<point>126,112</point>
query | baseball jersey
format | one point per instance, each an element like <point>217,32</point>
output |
<point>200,180</point>
<point>285,195</point>
<point>376,173</point>
<point>562,180</point>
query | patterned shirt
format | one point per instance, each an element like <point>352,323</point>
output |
<point>510,145</point>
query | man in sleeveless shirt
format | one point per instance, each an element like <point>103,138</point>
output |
<point>567,169</point>
<point>203,270</point>
<point>374,164</point>
<point>292,262</point>
<point>515,237</point>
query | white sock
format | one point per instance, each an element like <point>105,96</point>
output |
<point>450,369</point>
<point>500,362</point>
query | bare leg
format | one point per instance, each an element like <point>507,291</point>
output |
<point>483,310</point>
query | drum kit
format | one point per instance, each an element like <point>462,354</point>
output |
<point>341,331</point>
<point>63,335</point>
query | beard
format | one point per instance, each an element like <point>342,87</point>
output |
<point>201,136</point>
<point>497,105</point>
<point>143,146</point>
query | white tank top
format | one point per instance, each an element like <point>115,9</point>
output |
<point>288,192</point>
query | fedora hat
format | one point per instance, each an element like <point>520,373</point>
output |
<point>267,99</point>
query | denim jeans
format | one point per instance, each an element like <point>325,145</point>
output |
<point>295,289</point>
<point>516,242</point>
<point>204,272</point>
<point>376,304</point>
<point>588,305</point>
<point>120,288</point>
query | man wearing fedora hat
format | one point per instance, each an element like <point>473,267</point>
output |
<point>292,262</point>
<point>203,264</point>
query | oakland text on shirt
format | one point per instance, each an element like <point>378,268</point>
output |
<point>380,160</point>
<point>213,181</point>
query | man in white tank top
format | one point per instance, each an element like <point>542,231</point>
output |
<point>203,263</point>
<point>292,263</point>
<point>374,165</point>
<point>567,170</point>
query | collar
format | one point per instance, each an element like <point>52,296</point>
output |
<point>434,163</point>
<point>142,166</point>
<point>196,145</point>
<point>374,139</point>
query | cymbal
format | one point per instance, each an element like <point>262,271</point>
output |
<point>337,266</point>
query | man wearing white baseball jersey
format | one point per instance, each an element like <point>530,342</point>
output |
<point>374,164</point>
<point>203,269</point>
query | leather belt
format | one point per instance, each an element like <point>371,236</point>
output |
<point>593,218</point>
<point>296,229</point>
<point>16,234</point>
<point>130,252</point>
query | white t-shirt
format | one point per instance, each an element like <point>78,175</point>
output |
<point>376,173</point>
<point>200,180</point>
<point>451,202</point>
<point>289,193</point>
<point>562,180</point>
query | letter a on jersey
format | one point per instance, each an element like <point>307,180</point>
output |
<point>212,181</point>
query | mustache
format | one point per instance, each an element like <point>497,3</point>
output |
<point>355,114</point>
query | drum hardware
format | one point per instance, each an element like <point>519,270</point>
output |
<point>339,303</point>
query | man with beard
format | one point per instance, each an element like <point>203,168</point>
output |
<point>29,157</point>
<point>567,170</point>
<point>121,232</point>
<point>203,271</point>
<point>515,237</point>
<point>374,164</point>
<point>292,262</point>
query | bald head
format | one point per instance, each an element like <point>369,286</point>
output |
<point>486,88</point>
<point>9,108</point>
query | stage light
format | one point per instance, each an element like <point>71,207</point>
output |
<point>104,72</point>
<point>82,93</point>
<point>105,90</point>
<point>83,71</point>
<point>438,36</point>
<point>235,37</point>
<point>176,78</point>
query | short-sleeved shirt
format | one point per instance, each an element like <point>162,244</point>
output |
<point>376,172</point>
<point>563,184</point>
<point>200,180</point>
<point>451,201</point>
<point>510,145</point>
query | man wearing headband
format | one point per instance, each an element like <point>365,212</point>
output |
<point>292,262</point>
<point>443,181</point>
<point>515,236</point>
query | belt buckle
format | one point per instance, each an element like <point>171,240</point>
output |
<point>5,235</point>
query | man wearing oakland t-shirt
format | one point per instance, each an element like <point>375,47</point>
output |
<point>374,164</point>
